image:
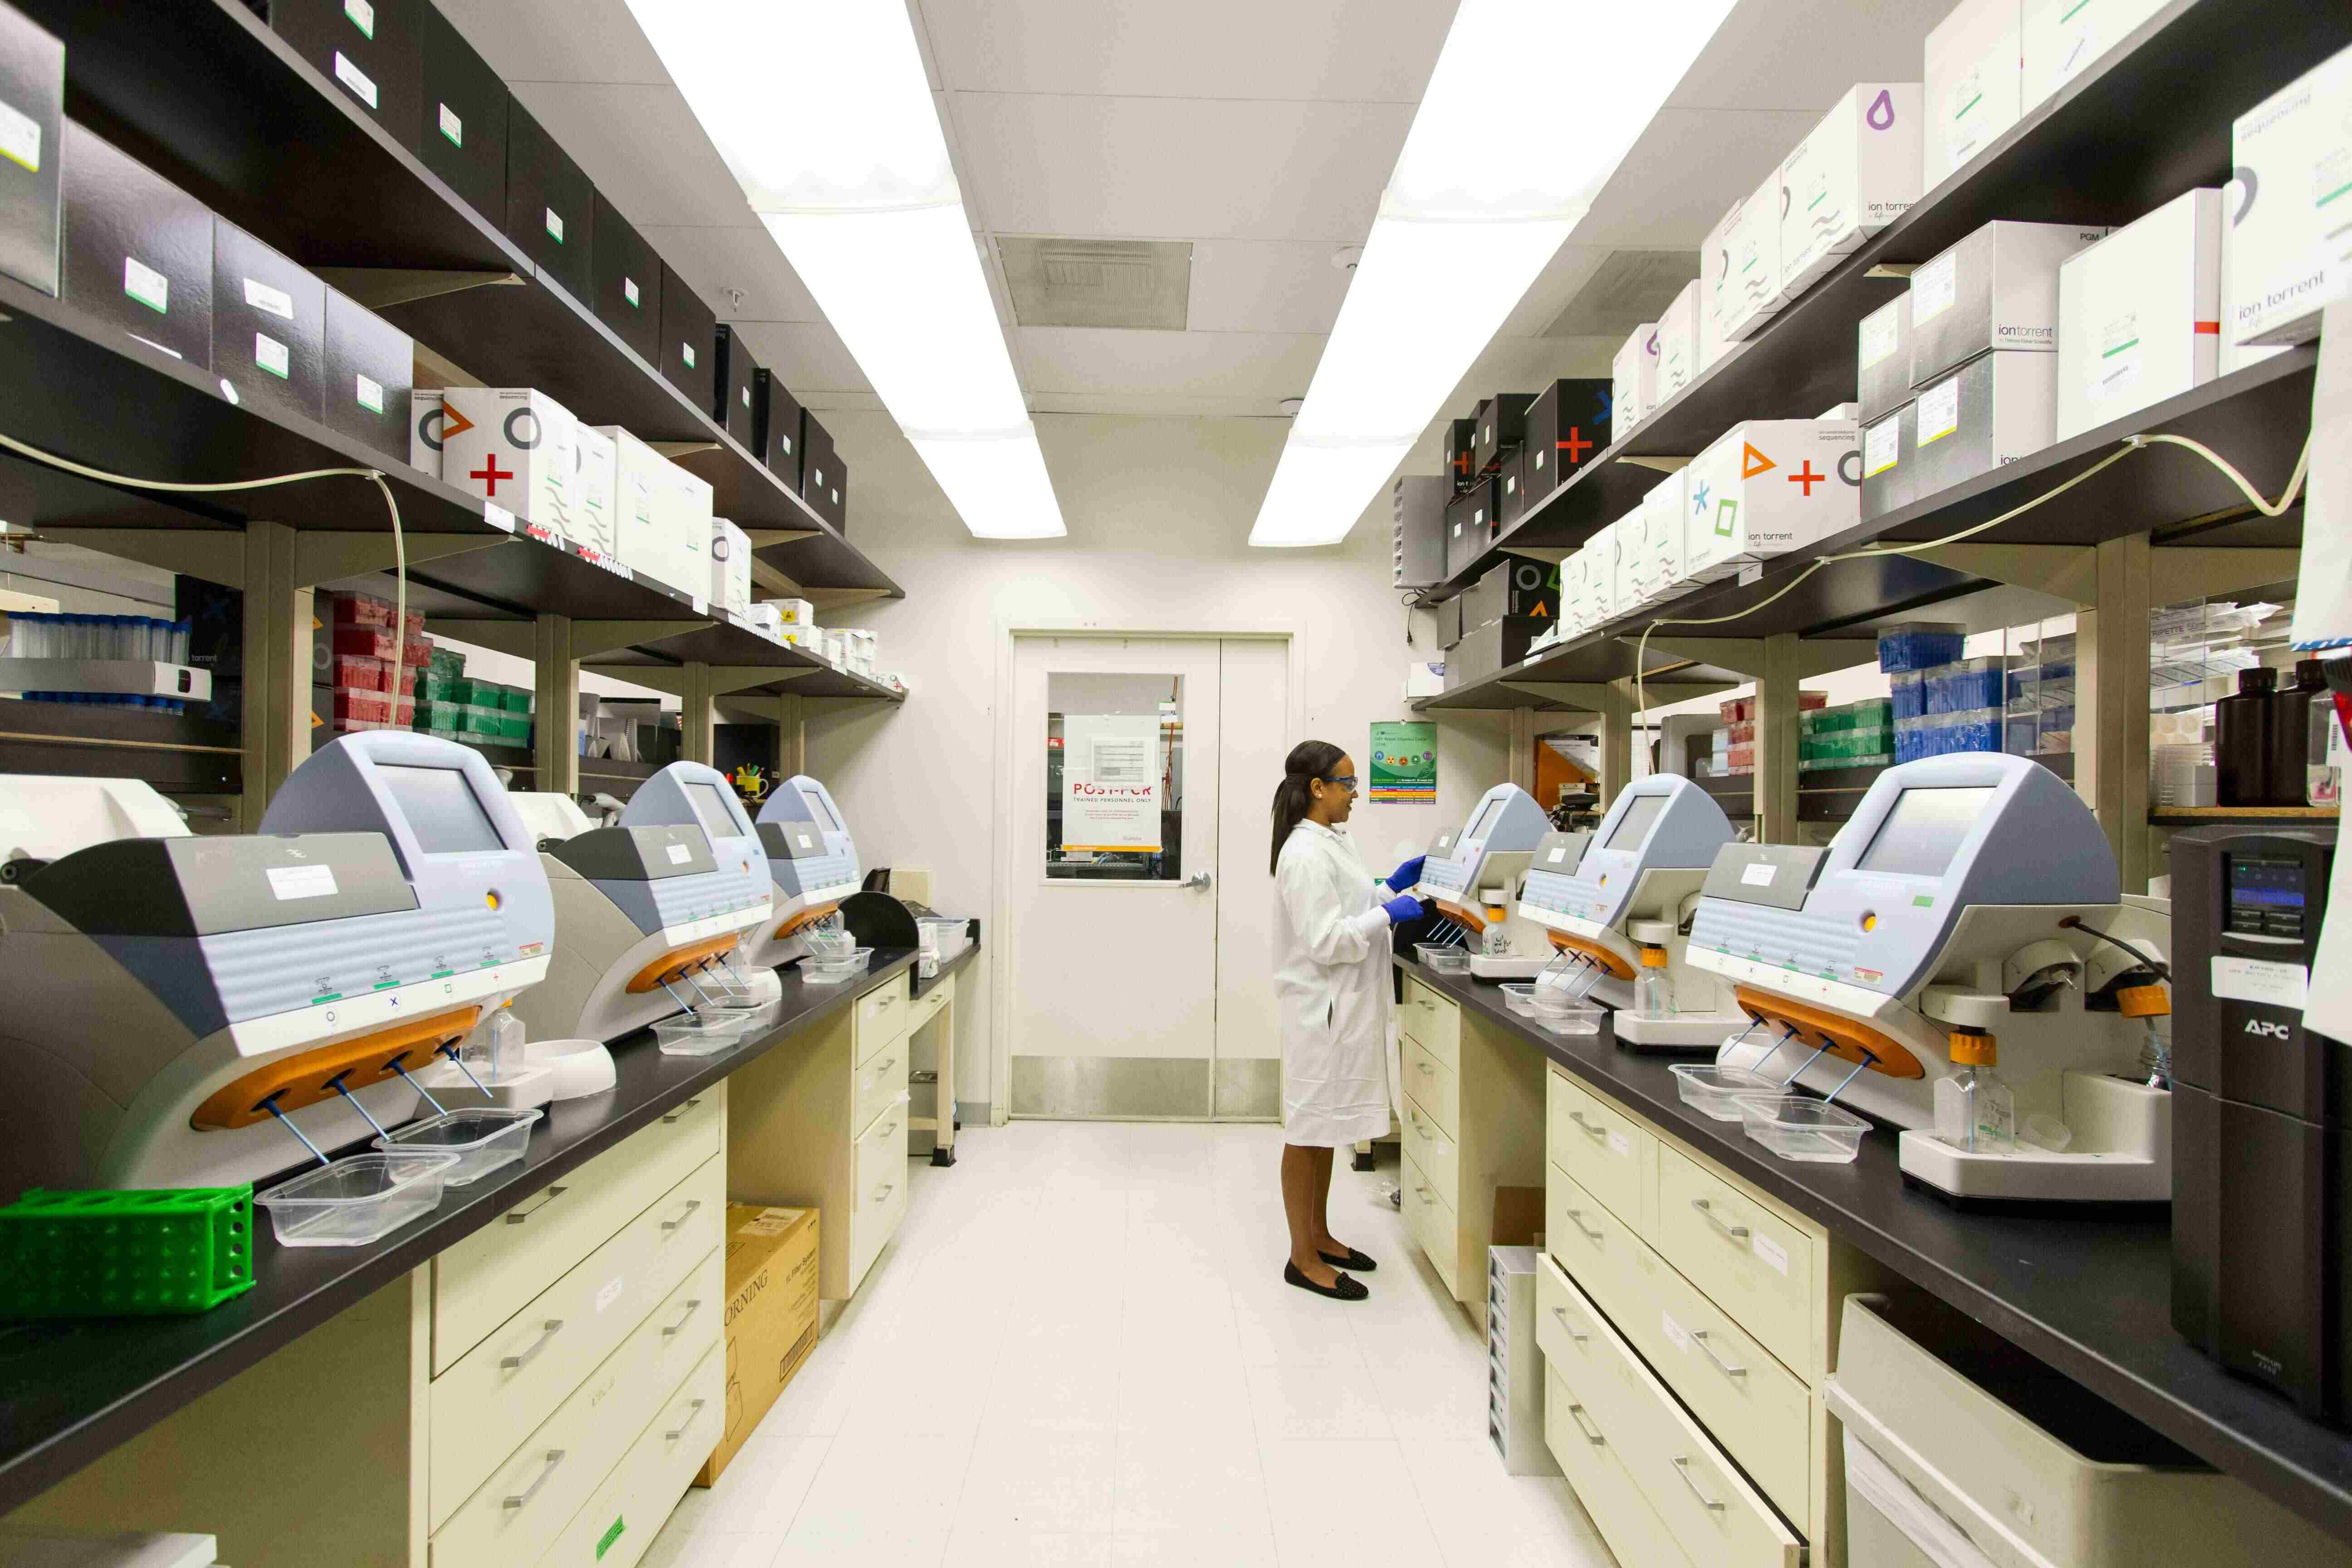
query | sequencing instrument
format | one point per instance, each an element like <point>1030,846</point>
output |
<point>1968,916</point>
<point>1471,879</point>
<point>1620,900</point>
<point>811,860</point>
<point>171,998</point>
<point>643,907</point>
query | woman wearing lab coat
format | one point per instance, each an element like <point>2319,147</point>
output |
<point>1334,994</point>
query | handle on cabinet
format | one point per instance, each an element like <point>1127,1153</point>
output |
<point>523,1499</point>
<point>516,1216</point>
<point>693,1414</point>
<point>1683,1469</point>
<point>547,1332</point>
<point>1729,1232</point>
<point>684,1215</point>
<point>1591,1433</point>
<point>691,1307</point>
<point>680,1114</point>
<point>1721,1365</point>
<point>1576,1218</point>
<point>884,1190</point>
<point>1561,1313</point>
<point>1590,1131</point>
<point>1426,1070</point>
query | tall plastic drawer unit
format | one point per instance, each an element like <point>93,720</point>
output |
<point>1514,1376</point>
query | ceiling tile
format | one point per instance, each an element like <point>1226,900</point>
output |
<point>642,148</point>
<point>1685,172</point>
<point>558,40</point>
<point>1265,285</point>
<point>1264,366</point>
<point>1165,168</point>
<point>809,357</point>
<point>1802,54</point>
<point>714,260</point>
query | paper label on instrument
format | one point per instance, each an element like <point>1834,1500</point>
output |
<point>363,16</point>
<point>369,392</point>
<point>1770,1251</point>
<point>1559,854</point>
<point>1939,411</point>
<point>1677,1335</point>
<point>146,285</point>
<point>679,854</point>
<point>352,77</point>
<point>20,137</point>
<point>1934,288</point>
<point>611,1291</point>
<point>1618,1145</point>
<point>290,882</point>
<point>272,357</point>
<point>2121,352</point>
<point>1757,876</point>
<point>497,516</point>
<point>452,127</point>
<point>629,290</point>
<point>1878,337</point>
<point>262,297</point>
<point>1882,447</point>
<point>2262,981</point>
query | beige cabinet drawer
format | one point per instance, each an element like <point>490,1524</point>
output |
<point>927,1007</point>
<point>1436,1021</point>
<point>481,1282</point>
<point>1436,1086</point>
<point>881,1081</point>
<point>1429,1221</point>
<point>882,1016</point>
<point>1439,1159</point>
<point>1583,1235</point>
<point>1752,1263</point>
<point>1568,1326</point>
<point>621,1518</point>
<point>509,1384</point>
<point>1614,1158</point>
<point>1636,1534</point>
<point>880,1167</point>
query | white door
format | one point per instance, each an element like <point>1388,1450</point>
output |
<point>1132,757</point>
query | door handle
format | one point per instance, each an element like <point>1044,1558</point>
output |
<point>1729,1232</point>
<point>523,1499</point>
<point>548,1330</point>
<point>1197,879</point>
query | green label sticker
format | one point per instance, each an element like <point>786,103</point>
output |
<point>452,127</point>
<point>1923,901</point>
<point>146,285</point>
<point>555,226</point>
<point>363,16</point>
<point>688,350</point>
<point>604,1542</point>
<point>629,291</point>
<point>272,357</point>
<point>370,394</point>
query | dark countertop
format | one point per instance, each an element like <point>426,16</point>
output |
<point>2089,1294</point>
<point>71,1391</point>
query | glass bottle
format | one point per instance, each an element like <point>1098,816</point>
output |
<point>1654,989</point>
<point>1494,937</point>
<point>2241,745</point>
<point>1974,1108</point>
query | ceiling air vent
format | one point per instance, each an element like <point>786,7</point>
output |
<point>1145,283</point>
<point>1631,287</point>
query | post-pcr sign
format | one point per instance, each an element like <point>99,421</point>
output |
<point>1110,782</point>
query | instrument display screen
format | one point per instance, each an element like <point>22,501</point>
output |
<point>441,809</point>
<point>1634,826</point>
<point>713,810</point>
<point>1924,831</point>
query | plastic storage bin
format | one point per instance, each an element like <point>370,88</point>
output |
<point>358,1199</point>
<point>1919,645</point>
<point>1518,995</point>
<point>482,1137</point>
<point>1443,957</point>
<point>1713,1090</point>
<point>701,1035</point>
<point>106,1254</point>
<point>1798,1127</point>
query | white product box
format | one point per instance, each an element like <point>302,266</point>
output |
<point>1975,88</point>
<point>1715,268</point>
<point>836,650</point>
<point>2062,38</point>
<point>1882,358</point>
<point>1633,381</point>
<point>686,521</point>
<point>809,637</point>
<point>1421,679</point>
<point>1661,567</point>
<point>1842,411</point>
<point>1993,410</point>
<point>1679,346</point>
<point>795,612</point>
<point>594,512</point>
<point>1857,172</point>
<point>762,619</point>
<point>730,567</point>
<point>1634,588</point>
<point>2293,239</point>
<point>1752,293</point>
<point>2233,354</point>
<point>1574,604</point>
<point>1599,558</point>
<point>640,483</point>
<point>1996,289</point>
<point>1768,487</point>
<point>2139,314</point>
<point>516,446</point>
<point>424,415</point>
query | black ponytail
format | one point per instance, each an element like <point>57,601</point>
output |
<point>1308,761</point>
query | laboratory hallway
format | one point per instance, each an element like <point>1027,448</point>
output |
<point>1079,1351</point>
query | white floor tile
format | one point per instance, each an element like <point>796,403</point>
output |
<point>677,1548</point>
<point>1196,1549</point>
<point>988,1548</point>
<point>1345,1501</point>
<point>1327,1403</point>
<point>1040,1477</point>
<point>1486,1515</point>
<point>1190,1481</point>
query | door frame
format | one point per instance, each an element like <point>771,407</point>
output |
<point>1003,851</point>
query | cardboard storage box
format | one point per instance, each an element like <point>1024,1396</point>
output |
<point>1461,442</point>
<point>1575,604</point>
<point>684,510</point>
<point>1890,462</point>
<point>794,612</point>
<point>461,119</point>
<point>776,428</point>
<point>1768,487</point>
<point>2065,38</point>
<point>1995,409</point>
<point>1491,648</point>
<point>2139,313</point>
<point>1998,289</point>
<point>1752,293</point>
<point>1517,587</point>
<point>1417,513</point>
<point>1633,381</point>
<point>1714,296</point>
<point>32,133</point>
<point>1852,175</point>
<point>823,477</point>
<point>1882,358</point>
<point>689,333</point>
<point>594,522</point>
<point>269,325</point>
<point>772,1312</point>
<point>425,417</point>
<point>1597,585</point>
<point>515,446</point>
<point>1975,88</point>
<point>730,568</point>
<point>1502,422</point>
<point>2292,244</point>
<point>625,273</point>
<point>551,204</point>
<point>1662,568</point>
<point>1567,424</point>
<point>1515,494</point>
<point>1450,615</point>
<point>640,506</point>
<point>734,373</point>
<point>1470,525</point>
<point>1680,347</point>
<point>371,366</point>
<point>2232,354</point>
<point>373,50</point>
<point>138,250</point>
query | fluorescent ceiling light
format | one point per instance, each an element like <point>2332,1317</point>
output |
<point>1500,164</point>
<point>823,113</point>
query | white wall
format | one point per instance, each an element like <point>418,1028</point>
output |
<point>1159,513</point>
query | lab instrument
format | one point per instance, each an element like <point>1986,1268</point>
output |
<point>1489,854</point>
<point>812,861</point>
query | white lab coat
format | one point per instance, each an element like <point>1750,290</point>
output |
<point>1332,990</point>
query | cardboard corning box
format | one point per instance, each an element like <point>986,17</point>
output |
<point>771,1309</point>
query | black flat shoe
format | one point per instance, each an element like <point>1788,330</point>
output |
<point>1347,1289</point>
<point>1351,1259</point>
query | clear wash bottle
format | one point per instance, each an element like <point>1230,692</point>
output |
<point>1974,1108</point>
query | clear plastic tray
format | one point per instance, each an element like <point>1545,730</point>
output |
<point>483,1137</point>
<point>706,1035</point>
<point>832,970</point>
<point>1713,1090</point>
<point>1578,1018</point>
<point>1797,1127</point>
<point>1518,995</point>
<point>1443,957</point>
<point>358,1199</point>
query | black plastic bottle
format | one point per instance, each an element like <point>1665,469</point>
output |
<point>2242,740</point>
<point>2290,741</point>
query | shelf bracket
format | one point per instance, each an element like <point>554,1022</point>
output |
<point>775,582</point>
<point>761,538</point>
<point>2062,571</point>
<point>590,638</point>
<point>518,640</point>
<point>330,557</point>
<point>666,678</point>
<point>377,287</point>
<point>682,448</point>
<point>1580,695</point>
<point>2189,572</point>
<point>1550,554</point>
<point>1662,465</point>
<point>835,599</point>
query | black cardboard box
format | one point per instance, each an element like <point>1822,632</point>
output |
<point>1461,441</point>
<point>1513,500</point>
<point>138,250</point>
<point>735,373</point>
<point>776,428</point>
<point>1567,424</point>
<point>461,116</point>
<point>627,283</point>
<point>551,204</point>
<point>1489,649</point>
<point>373,50</point>
<point>269,326</point>
<point>370,367</point>
<point>837,494</point>
<point>817,469</point>
<point>33,95</point>
<point>1470,525</point>
<point>1502,424</point>
<point>689,333</point>
<point>1517,587</point>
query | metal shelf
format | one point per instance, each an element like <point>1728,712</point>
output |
<point>2209,816</point>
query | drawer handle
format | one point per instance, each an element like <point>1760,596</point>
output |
<point>1561,1313</point>
<point>1418,1128</point>
<point>1426,1005</point>
<point>516,1216</point>
<point>693,1414</point>
<point>523,1499</point>
<point>548,1330</point>
<point>691,1307</point>
<point>1426,1194</point>
<point>885,1191</point>
<point>1730,1232</point>
<point>890,1129</point>
<point>680,1114</point>
<point>1683,1469</point>
<point>1576,1218</point>
<point>889,999</point>
<point>683,1215</point>
<point>888,1063</point>
<point>1590,1131</point>
<point>1721,1365</point>
<point>1426,1070</point>
<point>1591,1433</point>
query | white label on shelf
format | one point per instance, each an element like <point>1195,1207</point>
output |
<point>1677,1335</point>
<point>1757,876</point>
<point>271,355</point>
<point>1618,1145</point>
<point>363,16</point>
<point>679,854</point>
<point>555,226</point>
<point>610,1292</point>
<point>288,883</point>
<point>1939,411</point>
<point>352,77</point>
<point>1882,447</point>
<point>262,297</point>
<point>497,516</point>
<point>2120,354</point>
<point>452,127</point>
<point>146,285</point>
<point>1770,1251</point>
<point>1878,336</point>
<point>1934,288</point>
<point>370,394</point>
<point>686,349</point>
<point>629,290</point>
<point>2262,981</point>
<point>20,137</point>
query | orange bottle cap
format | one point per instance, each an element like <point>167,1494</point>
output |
<point>1653,958</point>
<point>1970,1048</point>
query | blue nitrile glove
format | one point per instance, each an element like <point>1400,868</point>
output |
<point>1402,909</point>
<point>1407,877</point>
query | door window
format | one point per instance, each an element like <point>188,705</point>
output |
<point>1114,777</point>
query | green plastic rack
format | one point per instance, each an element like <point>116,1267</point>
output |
<point>104,1253</point>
